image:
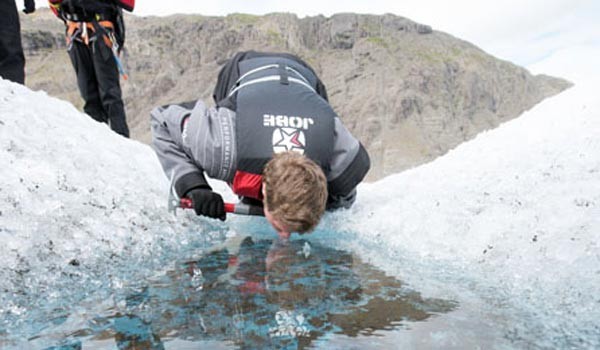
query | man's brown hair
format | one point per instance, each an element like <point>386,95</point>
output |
<point>295,191</point>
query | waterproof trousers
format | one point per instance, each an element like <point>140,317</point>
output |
<point>98,80</point>
<point>12,60</point>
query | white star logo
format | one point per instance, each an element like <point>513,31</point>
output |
<point>288,139</point>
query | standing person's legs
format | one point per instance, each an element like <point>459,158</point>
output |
<point>107,74</point>
<point>81,57</point>
<point>12,60</point>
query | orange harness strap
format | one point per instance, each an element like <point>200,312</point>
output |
<point>80,29</point>
<point>75,28</point>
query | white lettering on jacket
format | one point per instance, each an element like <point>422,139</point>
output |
<point>284,121</point>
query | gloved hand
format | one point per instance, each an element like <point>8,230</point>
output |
<point>207,203</point>
<point>29,6</point>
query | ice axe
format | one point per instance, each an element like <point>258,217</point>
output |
<point>186,203</point>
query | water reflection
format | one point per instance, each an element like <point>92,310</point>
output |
<point>255,294</point>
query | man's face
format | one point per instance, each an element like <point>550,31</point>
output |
<point>282,231</point>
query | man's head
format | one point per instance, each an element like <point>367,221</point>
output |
<point>295,192</point>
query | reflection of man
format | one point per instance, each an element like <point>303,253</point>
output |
<point>286,280</point>
<point>271,294</point>
<point>294,274</point>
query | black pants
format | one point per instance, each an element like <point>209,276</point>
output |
<point>12,60</point>
<point>98,80</point>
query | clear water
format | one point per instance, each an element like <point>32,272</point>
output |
<point>260,293</point>
<point>328,290</point>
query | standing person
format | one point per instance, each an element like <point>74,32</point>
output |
<point>12,60</point>
<point>95,36</point>
<point>272,136</point>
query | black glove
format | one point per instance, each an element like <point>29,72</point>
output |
<point>29,6</point>
<point>207,203</point>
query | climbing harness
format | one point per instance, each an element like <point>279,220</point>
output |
<point>80,30</point>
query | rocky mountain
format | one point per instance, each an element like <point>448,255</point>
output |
<point>408,92</point>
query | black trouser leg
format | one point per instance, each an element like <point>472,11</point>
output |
<point>12,60</point>
<point>81,58</point>
<point>107,75</point>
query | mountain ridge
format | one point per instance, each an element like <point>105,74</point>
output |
<point>408,92</point>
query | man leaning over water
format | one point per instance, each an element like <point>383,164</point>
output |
<point>273,137</point>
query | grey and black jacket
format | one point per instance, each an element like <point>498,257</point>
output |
<point>275,104</point>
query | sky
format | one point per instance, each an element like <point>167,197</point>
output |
<point>523,32</point>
